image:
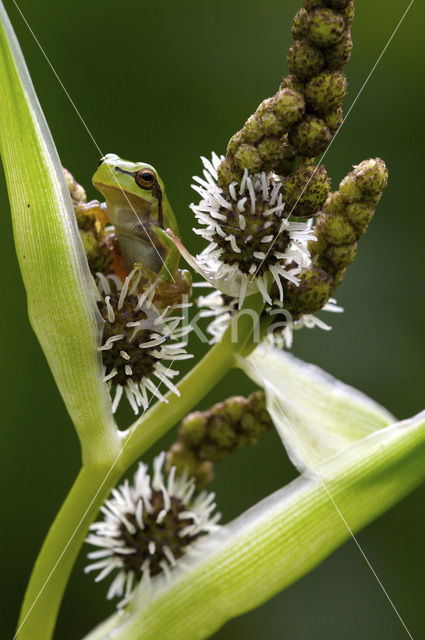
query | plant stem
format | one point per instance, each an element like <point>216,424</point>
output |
<point>195,385</point>
<point>60,549</point>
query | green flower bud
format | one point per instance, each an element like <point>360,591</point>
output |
<point>227,173</point>
<point>90,245</point>
<point>251,430</point>
<point>252,132</point>
<point>334,204</point>
<point>270,151</point>
<point>372,177</point>
<point>232,409</point>
<point>320,245</point>
<point>310,137</point>
<point>236,140</point>
<point>305,191</point>
<point>221,432</point>
<point>289,161</point>
<point>337,230</point>
<point>305,60</point>
<point>271,124</point>
<point>185,459</point>
<point>314,290</point>
<point>289,106</point>
<point>248,157</point>
<point>340,257</point>
<point>339,277</point>
<point>292,82</point>
<point>326,91</point>
<point>367,181</point>
<point>213,452</point>
<point>211,435</point>
<point>360,214</point>
<point>348,13</point>
<point>193,429</point>
<point>299,24</point>
<point>76,191</point>
<point>325,27</point>
<point>338,55</point>
<point>334,119</point>
<point>266,106</point>
<point>98,247</point>
<point>349,189</point>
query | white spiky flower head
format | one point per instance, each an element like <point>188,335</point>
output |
<point>148,527</point>
<point>139,342</point>
<point>251,240</point>
<point>281,331</point>
<point>221,309</point>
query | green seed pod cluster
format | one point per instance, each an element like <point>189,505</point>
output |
<point>258,145</point>
<point>208,436</point>
<point>305,190</point>
<point>346,216</point>
<point>341,223</point>
<point>98,246</point>
<point>312,293</point>
<point>76,191</point>
<point>322,47</point>
<point>297,124</point>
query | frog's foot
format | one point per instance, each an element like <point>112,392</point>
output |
<point>176,292</point>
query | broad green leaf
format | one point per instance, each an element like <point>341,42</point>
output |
<point>60,290</point>
<point>315,414</point>
<point>278,540</point>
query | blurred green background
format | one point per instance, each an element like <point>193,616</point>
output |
<point>167,82</point>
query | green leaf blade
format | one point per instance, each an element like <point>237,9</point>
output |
<point>279,540</point>
<point>60,290</point>
<point>315,414</point>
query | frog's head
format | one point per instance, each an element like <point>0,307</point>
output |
<point>130,185</point>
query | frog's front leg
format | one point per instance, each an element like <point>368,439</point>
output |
<point>172,283</point>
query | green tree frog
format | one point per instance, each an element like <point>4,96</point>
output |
<point>137,205</point>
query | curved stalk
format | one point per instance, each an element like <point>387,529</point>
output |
<point>59,551</point>
<point>196,384</point>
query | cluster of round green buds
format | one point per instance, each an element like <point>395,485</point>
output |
<point>346,216</point>
<point>99,246</point>
<point>208,436</point>
<point>76,191</point>
<point>299,120</point>
<point>258,145</point>
<point>343,220</point>
<point>322,47</point>
<point>306,189</point>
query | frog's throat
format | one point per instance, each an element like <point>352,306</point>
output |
<point>117,199</point>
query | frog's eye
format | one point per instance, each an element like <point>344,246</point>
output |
<point>145,178</point>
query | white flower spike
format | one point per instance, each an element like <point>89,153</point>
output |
<point>148,527</point>
<point>138,340</point>
<point>249,235</point>
<point>222,308</point>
